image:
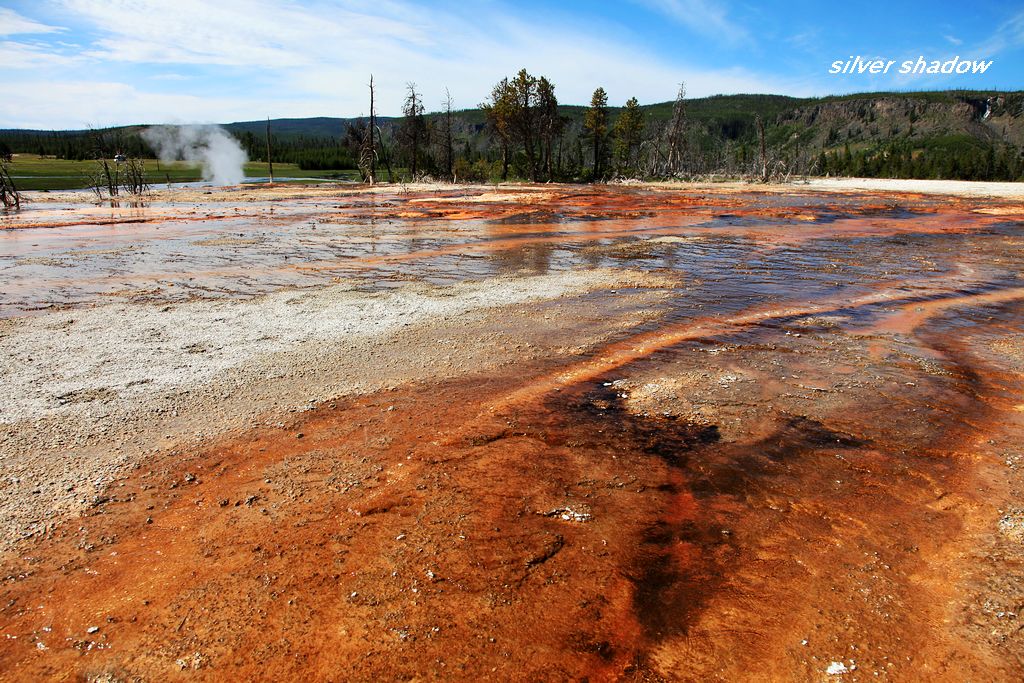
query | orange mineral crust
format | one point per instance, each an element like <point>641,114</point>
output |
<point>517,433</point>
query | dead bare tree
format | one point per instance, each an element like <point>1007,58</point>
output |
<point>368,153</point>
<point>413,130</point>
<point>763,161</point>
<point>373,133</point>
<point>372,141</point>
<point>270,160</point>
<point>385,155</point>
<point>676,133</point>
<point>651,155</point>
<point>9,195</point>
<point>133,178</point>
<point>449,145</point>
<point>769,165</point>
<point>101,179</point>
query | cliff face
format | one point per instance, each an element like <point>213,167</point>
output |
<point>872,119</point>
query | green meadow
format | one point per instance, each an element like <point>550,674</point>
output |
<point>33,172</point>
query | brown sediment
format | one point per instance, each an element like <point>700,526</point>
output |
<point>425,530</point>
<point>795,460</point>
<point>913,315</point>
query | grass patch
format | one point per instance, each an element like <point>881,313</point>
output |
<point>32,172</point>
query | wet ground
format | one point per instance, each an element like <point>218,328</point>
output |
<point>61,255</point>
<point>801,462</point>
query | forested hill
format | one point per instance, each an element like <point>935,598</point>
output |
<point>948,134</point>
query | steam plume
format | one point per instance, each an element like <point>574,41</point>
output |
<point>219,154</point>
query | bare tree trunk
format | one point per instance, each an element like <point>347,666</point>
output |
<point>677,132</point>
<point>548,158</point>
<point>9,195</point>
<point>386,156</point>
<point>764,150</point>
<point>448,143</point>
<point>109,179</point>
<point>270,160</point>
<point>415,137</point>
<point>134,182</point>
<point>371,150</point>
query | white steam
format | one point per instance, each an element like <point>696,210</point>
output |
<point>219,154</point>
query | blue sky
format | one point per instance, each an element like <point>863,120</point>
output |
<point>73,63</point>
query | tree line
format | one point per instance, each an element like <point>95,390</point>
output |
<point>522,131</point>
<point>525,134</point>
<point>958,160</point>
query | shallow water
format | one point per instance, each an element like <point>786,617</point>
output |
<point>733,249</point>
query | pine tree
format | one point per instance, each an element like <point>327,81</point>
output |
<point>550,123</point>
<point>524,117</point>
<point>629,127</point>
<point>499,110</point>
<point>595,122</point>
<point>414,127</point>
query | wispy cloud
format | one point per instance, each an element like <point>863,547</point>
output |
<point>12,23</point>
<point>1009,35</point>
<point>953,40</point>
<point>701,16</point>
<point>808,40</point>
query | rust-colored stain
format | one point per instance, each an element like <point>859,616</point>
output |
<point>811,482</point>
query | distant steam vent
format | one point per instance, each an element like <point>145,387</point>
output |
<point>212,147</point>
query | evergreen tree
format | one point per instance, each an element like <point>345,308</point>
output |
<point>595,122</point>
<point>550,123</point>
<point>414,127</point>
<point>524,117</point>
<point>629,128</point>
<point>499,110</point>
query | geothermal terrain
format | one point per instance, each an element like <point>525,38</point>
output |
<point>518,433</point>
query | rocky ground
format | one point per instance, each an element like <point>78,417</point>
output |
<point>91,392</point>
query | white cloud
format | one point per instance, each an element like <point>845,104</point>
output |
<point>12,23</point>
<point>100,103</point>
<point>953,40</point>
<point>282,59</point>
<point>25,56</point>
<point>235,32</point>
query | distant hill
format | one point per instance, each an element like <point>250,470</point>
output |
<point>722,111</point>
<point>866,117</point>
<point>315,127</point>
